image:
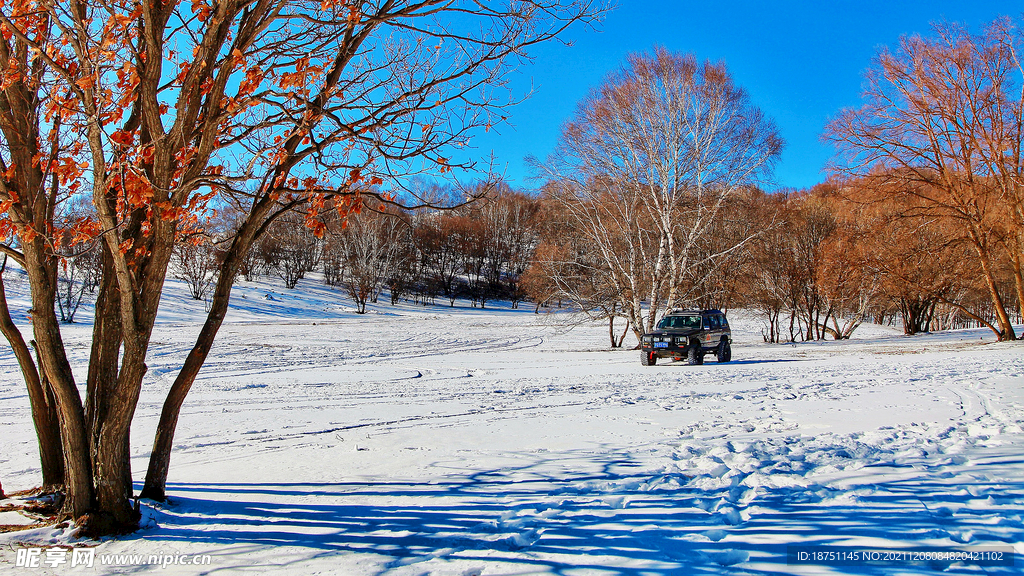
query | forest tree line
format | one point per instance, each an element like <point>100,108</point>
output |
<point>810,264</point>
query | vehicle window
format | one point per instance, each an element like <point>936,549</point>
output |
<point>725,323</point>
<point>679,322</point>
<point>713,323</point>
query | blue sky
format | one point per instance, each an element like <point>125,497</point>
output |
<point>800,61</point>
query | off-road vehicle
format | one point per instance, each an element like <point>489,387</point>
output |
<point>688,334</point>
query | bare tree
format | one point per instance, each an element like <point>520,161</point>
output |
<point>786,267</point>
<point>942,125</point>
<point>77,274</point>
<point>569,270</point>
<point>388,111</point>
<point>650,161</point>
<point>442,240</point>
<point>767,280</point>
<point>507,219</point>
<point>333,261</point>
<point>371,249</point>
<point>920,261</point>
<point>195,264</point>
<point>290,250</point>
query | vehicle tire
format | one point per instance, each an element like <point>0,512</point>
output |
<point>648,358</point>
<point>695,355</point>
<point>724,351</point>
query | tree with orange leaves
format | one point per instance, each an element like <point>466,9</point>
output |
<point>942,132</point>
<point>919,261</point>
<point>158,112</point>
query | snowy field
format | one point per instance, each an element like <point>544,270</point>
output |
<point>429,440</point>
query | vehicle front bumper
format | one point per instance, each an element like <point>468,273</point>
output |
<point>665,346</point>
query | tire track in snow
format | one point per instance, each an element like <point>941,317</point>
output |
<point>247,439</point>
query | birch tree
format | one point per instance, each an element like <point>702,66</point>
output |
<point>371,249</point>
<point>667,141</point>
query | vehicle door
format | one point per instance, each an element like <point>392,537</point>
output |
<point>712,331</point>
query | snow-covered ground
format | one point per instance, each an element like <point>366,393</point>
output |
<point>429,440</point>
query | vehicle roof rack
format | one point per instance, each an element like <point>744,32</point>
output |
<point>692,311</point>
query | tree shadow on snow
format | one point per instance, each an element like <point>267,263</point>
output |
<point>617,518</point>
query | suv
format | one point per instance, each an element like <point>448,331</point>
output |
<point>688,334</point>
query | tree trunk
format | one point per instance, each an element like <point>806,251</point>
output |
<point>1006,331</point>
<point>112,457</point>
<point>916,314</point>
<point>137,312</point>
<point>625,331</point>
<point>41,400</point>
<point>55,369</point>
<point>911,317</point>
<point>611,325</point>
<point>155,487</point>
<point>1018,280</point>
<point>52,454</point>
<point>106,349</point>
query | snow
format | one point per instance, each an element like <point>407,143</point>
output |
<point>458,441</point>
